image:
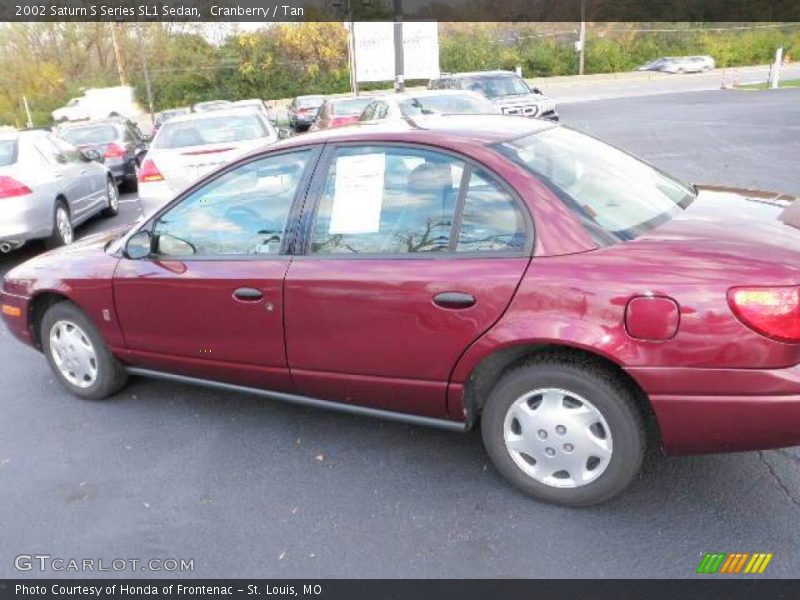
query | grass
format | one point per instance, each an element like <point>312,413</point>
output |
<point>786,83</point>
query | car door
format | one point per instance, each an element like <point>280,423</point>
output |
<point>208,301</point>
<point>68,181</point>
<point>410,255</point>
<point>90,180</point>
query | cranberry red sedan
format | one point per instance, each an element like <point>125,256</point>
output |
<point>338,112</point>
<point>454,272</point>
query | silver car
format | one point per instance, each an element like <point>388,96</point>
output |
<point>48,187</point>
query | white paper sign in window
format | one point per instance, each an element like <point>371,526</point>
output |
<point>358,194</point>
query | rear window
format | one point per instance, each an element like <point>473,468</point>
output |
<point>494,86</point>
<point>446,104</point>
<point>210,130</point>
<point>616,196</point>
<point>309,102</point>
<point>349,108</point>
<point>8,152</point>
<point>96,134</point>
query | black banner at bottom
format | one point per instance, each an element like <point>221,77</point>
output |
<point>704,588</point>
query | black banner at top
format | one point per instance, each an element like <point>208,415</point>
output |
<point>410,10</point>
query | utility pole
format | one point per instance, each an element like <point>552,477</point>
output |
<point>27,111</point>
<point>582,42</point>
<point>146,70</point>
<point>399,59</point>
<point>117,54</point>
<point>351,47</point>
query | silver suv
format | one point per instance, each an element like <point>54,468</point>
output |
<point>507,90</point>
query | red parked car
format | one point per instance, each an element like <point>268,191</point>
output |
<point>338,112</point>
<point>451,272</point>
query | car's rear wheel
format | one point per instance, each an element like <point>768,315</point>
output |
<point>564,430</point>
<point>63,232</point>
<point>78,354</point>
<point>112,198</point>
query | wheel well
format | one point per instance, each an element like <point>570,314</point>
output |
<point>39,306</point>
<point>489,371</point>
<point>63,200</point>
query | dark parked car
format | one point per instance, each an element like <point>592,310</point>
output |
<point>452,271</point>
<point>119,142</point>
<point>303,110</point>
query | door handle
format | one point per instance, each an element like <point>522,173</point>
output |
<point>248,294</point>
<point>454,300</point>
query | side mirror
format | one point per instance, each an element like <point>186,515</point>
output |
<point>92,155</point>
<point>536,90</point>
<point>139,246</point>
<point>284,133</point>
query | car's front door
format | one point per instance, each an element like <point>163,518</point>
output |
<point>208,302</point>
<point>410,255</point>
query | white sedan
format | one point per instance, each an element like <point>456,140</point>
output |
<point>187,147</point>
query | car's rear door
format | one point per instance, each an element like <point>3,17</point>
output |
<point>410,254</point>
<point>208,302</point>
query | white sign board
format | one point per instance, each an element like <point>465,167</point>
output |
<point>374,50</point>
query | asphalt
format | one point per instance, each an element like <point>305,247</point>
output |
<point>251,488</point>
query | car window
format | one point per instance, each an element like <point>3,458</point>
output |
<point>369,112</point>
<point>492,221</point>
<point>381,110</point>
<point>495,86</point>
<point>68,152</point>
<point>8,152</point>
<point>616,196</point>
<point>243,212</point>
<point>91,134</point>
<point>211,130</point>
<point>452,104</point>
<point>387,200</point>
<point>348,108</point>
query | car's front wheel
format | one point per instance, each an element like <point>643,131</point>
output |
<point>564,430</point>
<point>78,354</point>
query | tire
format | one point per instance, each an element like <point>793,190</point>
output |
<point>112,198</point>
<point>66,332</point>
<point>63,232</point>
<point>558,410</point>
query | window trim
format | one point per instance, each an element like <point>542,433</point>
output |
<point>314,195</point>
<point>291,229</point>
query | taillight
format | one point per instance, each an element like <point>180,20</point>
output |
<point>149,172</point>
<point>11,188</point>
<point>770,311</point>
<point>114,151</point>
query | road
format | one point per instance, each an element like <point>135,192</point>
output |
<point>572,88</point>
<point>252,488</point>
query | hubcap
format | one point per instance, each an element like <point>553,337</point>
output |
<point>558,438</point>
<point>73,354</point>
<point>113,195</point>
<point>64,225</point>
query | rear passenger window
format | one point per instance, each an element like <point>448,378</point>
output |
<point>383,200</point>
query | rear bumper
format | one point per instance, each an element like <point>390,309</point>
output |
<point>153,195</point>
<point>723,410</point>
<point>14,312</point>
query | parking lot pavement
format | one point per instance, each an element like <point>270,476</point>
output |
<point>252,488</point>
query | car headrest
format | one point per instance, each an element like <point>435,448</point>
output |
<point>430,178</point>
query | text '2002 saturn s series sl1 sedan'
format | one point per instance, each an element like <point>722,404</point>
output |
<point>445,271</point>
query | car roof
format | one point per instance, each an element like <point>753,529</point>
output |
<point>92,123</point>
<point>475,129</point>
<point>478,73</point>
<point>213,114</point>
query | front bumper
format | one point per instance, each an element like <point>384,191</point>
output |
<point>723,410</point>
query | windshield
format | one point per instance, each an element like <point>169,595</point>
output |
<point>211,130</point>
<point>494,86</point>
<point>349,108</point>
<point>97,134</point>
<point>617,196</point>
<point>8,152</point>
<point>309,102</point>
<point>446,104</point>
